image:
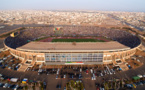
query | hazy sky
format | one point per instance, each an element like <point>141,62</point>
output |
<point>109,5</point>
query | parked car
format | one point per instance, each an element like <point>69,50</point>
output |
<point>92,78</point>
<point>80,76</point>
<point>143,75</point>
<point>48,73</point>
<point>129,86</point>
<point>91,70</point>
<point>9,85</point>
<point>5,85</point>
<point>1,75</point>
<point>44,83</point>
<point>139,83</point>
<point>101,74</point>
<point>12,86</point>
<point>9,67</point>
<point>64,76</point>
<point>140,76</point>
<point>58,86</point>
<point>1,84</point>
<point>72,76</point>
<point>57,72</point>
<point>80,70</point>
<point>64,88</point>
<point>102,88</point>
<point>16,87</point>
<point>20,88</point>
<point>87,71</point>
<point>56,76</point>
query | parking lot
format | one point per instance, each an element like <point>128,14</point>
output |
<point>9,62</point>
<point>60,75</point>
<point>72,73</point>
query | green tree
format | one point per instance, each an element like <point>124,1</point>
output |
<point>72,83</point>
<point>26,87</point>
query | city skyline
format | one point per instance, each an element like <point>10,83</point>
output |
<point>100,5</point>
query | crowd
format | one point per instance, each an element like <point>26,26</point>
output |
<point>32,34</point>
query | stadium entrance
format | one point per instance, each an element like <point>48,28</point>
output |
<point>74,58</point>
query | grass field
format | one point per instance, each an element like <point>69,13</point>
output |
<point>77,40</point>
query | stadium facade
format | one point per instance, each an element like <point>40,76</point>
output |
<point>69,54</point>
<point>123,47</point>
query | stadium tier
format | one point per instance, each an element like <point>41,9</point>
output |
<point>26,47</point>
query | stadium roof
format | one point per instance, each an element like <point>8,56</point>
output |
<point>49,46</point>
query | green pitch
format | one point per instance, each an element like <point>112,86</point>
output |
<point>77,40</point>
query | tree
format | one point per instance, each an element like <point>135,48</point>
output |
<point>33,87</point>
<point>26,87</point>
<point>72,83</point>
<point>81,86</point>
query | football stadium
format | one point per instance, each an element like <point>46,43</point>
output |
<point>72,45</point>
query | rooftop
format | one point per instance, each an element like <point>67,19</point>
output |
<point>50,46</point>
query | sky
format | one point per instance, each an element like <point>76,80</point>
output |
<point>101,5</point>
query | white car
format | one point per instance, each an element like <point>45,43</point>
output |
<point>80,70</point>
<point>101,74</point>
<point>6,85</point>
<point>102,88</point>
<point>105,71</point>
<point>4,58</point>
<point>1,61</point>
<point>64,76</point>
<point>91,71</point>
<point>92,78</point>
<point>143,75</point>
<point>9,67</point>
<point>112,71</point>
<point>57,72</point>
<point>139,76</point>
<point>40,70</point>
<point>9,55</point>
<point>138,60</point>
<point>28,69</point>
<point>58,69</point>
<point>93,75</point>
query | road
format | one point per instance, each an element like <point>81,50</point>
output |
<point>124,22</point>
<point>88,83</point>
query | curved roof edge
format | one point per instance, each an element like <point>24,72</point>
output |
<point>78,47</point>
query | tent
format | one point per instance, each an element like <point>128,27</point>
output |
<point>135,78</point>
<point>14,79</point>
<point>25,80</point>
<point>14,34</point>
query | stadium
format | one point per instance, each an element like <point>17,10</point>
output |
<point>72,45</point>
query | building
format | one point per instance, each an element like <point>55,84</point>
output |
<point>123,46</point>
<point>69,54</point>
